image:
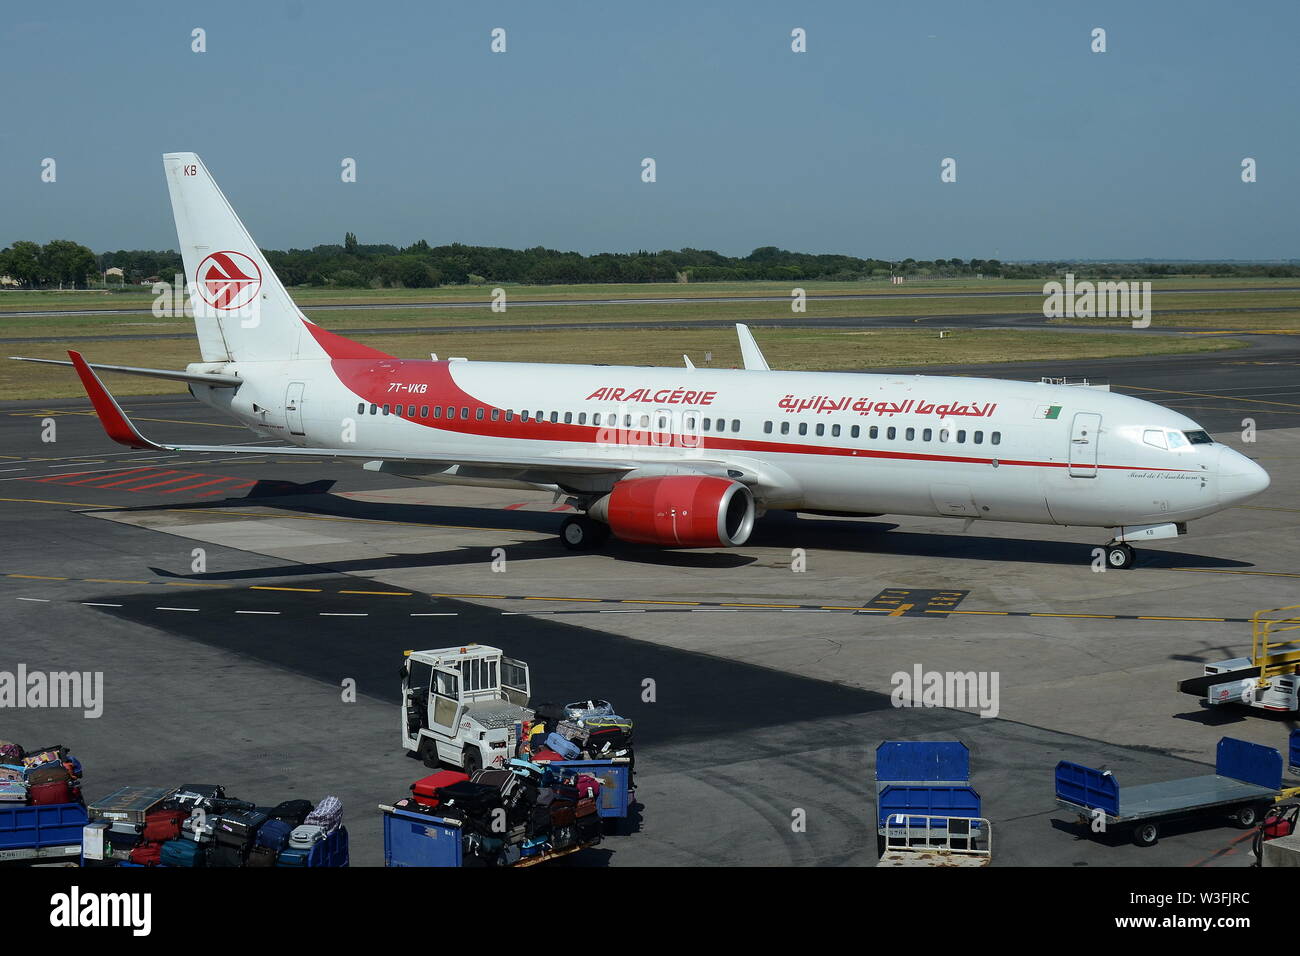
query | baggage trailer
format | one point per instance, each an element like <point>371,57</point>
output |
<point>927,813</point>
<point>616,794</point>
<point>41,833</point>
<point>421,839</point>
<point>1267,680</point>
<point>1247,779</point>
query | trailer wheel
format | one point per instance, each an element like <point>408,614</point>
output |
<point>1247,816</point>
<point>1146,834</point>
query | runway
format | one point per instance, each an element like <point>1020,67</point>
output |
<point>771,688</point>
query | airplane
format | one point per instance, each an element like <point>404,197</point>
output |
<point>673,457</point>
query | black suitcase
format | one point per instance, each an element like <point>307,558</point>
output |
<point>238,829</point>
<point>219,855</point>
<point>476,799</point>
<point>193,795</point>
<point>292,812</point>
<point>262,856</point>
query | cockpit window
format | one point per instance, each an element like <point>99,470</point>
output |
<point>1155,437</point>
<point>1176,440</point>
<point>1199,438</point>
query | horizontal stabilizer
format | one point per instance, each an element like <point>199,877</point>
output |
<point>199,378</point>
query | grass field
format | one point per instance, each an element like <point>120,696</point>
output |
<point>784,348</point>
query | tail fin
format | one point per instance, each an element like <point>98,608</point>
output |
<point>242,313</point>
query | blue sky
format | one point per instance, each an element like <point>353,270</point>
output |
<point>1060,152</point>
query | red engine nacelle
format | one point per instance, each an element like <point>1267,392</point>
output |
<point>678,511</point>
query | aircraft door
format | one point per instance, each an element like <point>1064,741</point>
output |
<point>1085,432</point>
<point>293,401</point>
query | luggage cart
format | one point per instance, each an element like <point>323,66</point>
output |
<point>922,789</point>
<point>1247,779</point>
<point>41,834</point>
<point>420,839</point>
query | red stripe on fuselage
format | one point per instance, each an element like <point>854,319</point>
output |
<point>369,373</point>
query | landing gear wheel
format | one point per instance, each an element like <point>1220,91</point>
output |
<point>1119,556</point>
<point>1146,834</point>
<point>580,533</point>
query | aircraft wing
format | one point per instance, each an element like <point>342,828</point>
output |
<point>123,431</point>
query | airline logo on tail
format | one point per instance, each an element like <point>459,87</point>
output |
<point>228,280</point>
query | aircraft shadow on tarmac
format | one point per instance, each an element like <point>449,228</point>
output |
<point>776,530</point>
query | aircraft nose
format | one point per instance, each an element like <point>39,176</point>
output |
<point>1239,477</point>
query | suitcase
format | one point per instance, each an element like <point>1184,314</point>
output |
<point>183,853</point>
<point>532,846</point>
<point>293,857</point>
<point>580,711</point>
<point>585,807</point>
<point>328,814</point>
<point>34,758</point>
<point>588,786</point>
<point>562,814</point>
<point>147,854</point>
<point>225,856</point>
<point>274,835</point>
<point>128,805</point>
<point>13,791</point>
<point>565,748</point>
<point>47,773</point>
<point>510,786</point>
<point>193,795</point>
<point>12,775</point>
<point>163,825</point>
<point>306,836</point>
<point>49,793</point>
<point>570,730</point>
<point>608,740</point>
<point>11,753</point>
<point>238,829</point>
<point>425,790</point>
<point>292,812</point>
<point>546,756</point>
<point>476,799</point>
<point>262,856</point>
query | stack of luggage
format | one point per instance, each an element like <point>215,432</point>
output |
<point>39,777</point>
<point>584,730</point>
<point>199,825</point>
<point>514,813</point>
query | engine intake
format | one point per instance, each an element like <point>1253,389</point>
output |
<point>684,511</point>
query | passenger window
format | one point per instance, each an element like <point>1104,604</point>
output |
<point>835,431</point>
<point>645,421</point>
<point>595,418</point>
<point>478,414</point>
<point>582,418</point>
<point>821,429</point>
<point>803,428</point>
<point>361,409</point>
<point>568,418</point>
<point>735,424</point>
<point>410,411</point>
<point>496,414</point>
<point>464,412</point>
<point>873,434</point>
<point>785,428</point>
<point>767,428</point>
<point>706,424</point>
<point>373,409</point>
<point>451,412</point>
<point>690,423</point>
<point>943,434</point>
<point>510,414</point>
<point>437,411</point>
<point>387,408</point>
<point>523,416</point>
<point>424,411</point>
<point>855,431</point>
<point>1154,437</point>
<point>961,436</point>
<point>910,434</point>
<point>927,434</point>
<point>995,438</point>
<point>979,438</point>
<point>890,432</point>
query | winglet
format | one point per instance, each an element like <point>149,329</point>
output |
<point>749,350</point>
<point>111,416</point>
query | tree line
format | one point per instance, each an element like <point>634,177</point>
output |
<point>62,263</point>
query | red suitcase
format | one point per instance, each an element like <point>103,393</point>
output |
<point>588,786</point>
<point>147,854</point>
<point>163,825</point>
<point>425,790</point>
<point>56,791</point>
<point>545,756</point>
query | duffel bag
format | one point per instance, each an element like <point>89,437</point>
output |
<point>328,814</point>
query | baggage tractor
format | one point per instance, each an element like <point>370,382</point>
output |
<point>292,812</point>
<point>425,790</point>
<point>184,853</point>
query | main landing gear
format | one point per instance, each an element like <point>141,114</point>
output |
<point>1119,556</point>
<point>580,533</point>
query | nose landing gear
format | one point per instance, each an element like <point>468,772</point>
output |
<point>1119,556</point>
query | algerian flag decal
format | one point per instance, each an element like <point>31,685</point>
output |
<point>1048,411</point>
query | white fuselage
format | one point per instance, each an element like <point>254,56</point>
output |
<point>817,441</point>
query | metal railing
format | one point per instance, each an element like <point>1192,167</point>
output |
<point>1275,656</point>
<point>957,836</point>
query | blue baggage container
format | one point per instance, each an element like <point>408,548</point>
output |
<point>417,839</point>
<point>614,776</point>
<point>55,824</point>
